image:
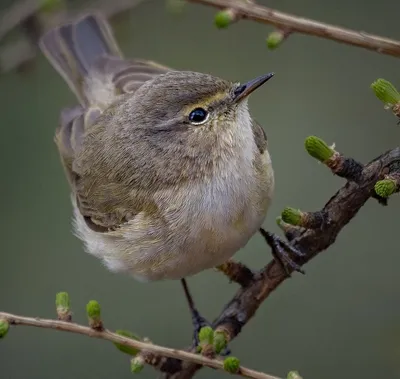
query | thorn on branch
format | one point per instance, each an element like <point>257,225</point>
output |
<point>307,220</point>
<point>236,272</point>
<point>347,168</point>
<point>63,307</point>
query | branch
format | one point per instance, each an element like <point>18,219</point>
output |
<point>337,213</point>
<point>290,23</point>
<point>156,352</point>
<point>308,232</point>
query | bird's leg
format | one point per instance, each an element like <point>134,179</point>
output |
<point>197,319</point>
<point>280,249</point>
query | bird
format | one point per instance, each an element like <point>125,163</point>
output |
<point>169,173</point>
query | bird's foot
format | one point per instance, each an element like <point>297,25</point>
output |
<point>198,320</point>
<point>280,249</point>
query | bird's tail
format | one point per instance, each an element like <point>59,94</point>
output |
<point>72,48</point>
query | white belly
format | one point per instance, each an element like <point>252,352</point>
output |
<point>199,231</point>
<point>197,227</point>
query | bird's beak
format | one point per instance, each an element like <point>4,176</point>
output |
<point>246,89</point>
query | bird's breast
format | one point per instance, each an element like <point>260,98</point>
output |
<point>212,220</point>
<point>197,226</point>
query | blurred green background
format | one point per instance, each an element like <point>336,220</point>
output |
<point>340,320</point>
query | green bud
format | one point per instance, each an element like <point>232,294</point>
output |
<point>231,364</point>
<point>385,188</point>
<point>93,311</point>
<point>63,306</point>
<point>4,326</point>
<point>220,341</point>
<point>206,335</point>
<point>318,149</point>
<point>62,300</point>
<point>223,19</point>
<point>386,92</point>
<point>126,349</point>
<point>292,216</point>
<point>137,364</point>
<point>275,39</point>
<point>294,375</point>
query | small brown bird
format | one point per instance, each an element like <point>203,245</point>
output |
<point>169,173</point>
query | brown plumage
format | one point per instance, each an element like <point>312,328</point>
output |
<point>169,173</point>
<point>155,194</point>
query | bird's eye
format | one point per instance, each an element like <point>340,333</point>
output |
<point>198,116</point>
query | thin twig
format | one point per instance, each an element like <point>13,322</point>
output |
<point>251,11</point>
<point>143,346</point>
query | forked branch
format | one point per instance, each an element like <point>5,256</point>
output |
<point>337,213</point>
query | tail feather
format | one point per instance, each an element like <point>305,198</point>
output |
<point>73,48</point>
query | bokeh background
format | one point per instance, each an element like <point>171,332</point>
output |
<point>340,320</point>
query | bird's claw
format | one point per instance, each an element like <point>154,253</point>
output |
<point>280,249</point>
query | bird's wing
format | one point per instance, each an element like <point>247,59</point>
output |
<point>104,205</point>
<point>85,53</point>
<point>121,77</point>
<point>260,137</point>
